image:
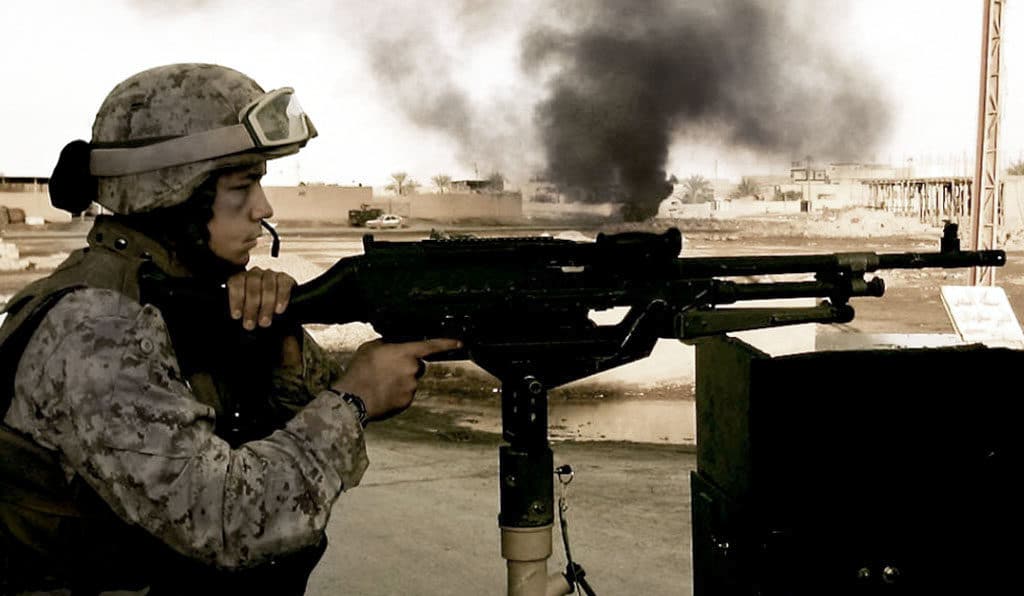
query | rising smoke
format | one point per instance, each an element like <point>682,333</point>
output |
<point>608,86</point>
<point>423,63</point>
<point>632,77</point>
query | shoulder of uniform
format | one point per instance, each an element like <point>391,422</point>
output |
<point>92,303</point>
<point>100,318</point>
<point>94,310</point>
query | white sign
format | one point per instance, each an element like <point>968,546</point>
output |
<point>982,314</point>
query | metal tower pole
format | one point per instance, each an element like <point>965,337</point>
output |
<point>985,193</point>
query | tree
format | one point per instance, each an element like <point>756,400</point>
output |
<point>443,183</point>
<point>697,189</point>
<point>746,188</point>
<point>496,181</point>
<point>1016,168</point>
<point>402,184</point>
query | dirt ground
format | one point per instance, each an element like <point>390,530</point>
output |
<point>424,519</point>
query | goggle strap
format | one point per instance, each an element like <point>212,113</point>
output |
<point>173,152</point>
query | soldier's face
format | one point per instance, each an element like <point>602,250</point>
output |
<point>238,208</point>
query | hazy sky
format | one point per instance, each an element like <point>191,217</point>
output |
<point>431,87</point>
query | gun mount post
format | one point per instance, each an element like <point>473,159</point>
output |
<point>526,481</point>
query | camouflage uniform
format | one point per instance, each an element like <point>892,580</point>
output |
<point>116,469</point>
<point>99,386</point>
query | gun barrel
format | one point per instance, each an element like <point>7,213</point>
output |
<point>703,267</point>
<point>946,260</point>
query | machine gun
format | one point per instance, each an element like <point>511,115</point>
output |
<point>521,307</point>
<point>519,300</point>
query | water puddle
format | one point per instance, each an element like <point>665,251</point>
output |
<point>667,422</point>
<point>656,421</point>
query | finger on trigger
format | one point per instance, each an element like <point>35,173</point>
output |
<point>433,346</point>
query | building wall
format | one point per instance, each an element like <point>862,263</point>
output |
<point>331,204</point>
<point>35,204</point>
<point>671,208</point>
<point>547,192</point>
<point>451,207</point>
<point>839,172</point>
<point>454,206</point>
<point>846,194</point>
<point>322,203</point>
<point>291,203</point>
<point>534,210</point>
<point>23,184</point>
<point>823,196</point>
<point>767,180</point>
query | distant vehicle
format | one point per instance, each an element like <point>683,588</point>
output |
<point>358,217</point>
<point>388,220</point>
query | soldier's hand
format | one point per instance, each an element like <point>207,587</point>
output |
<point>256,295</point>
<point>385,375</point>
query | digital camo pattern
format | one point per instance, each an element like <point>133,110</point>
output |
<point>169,101</point>
<point>99,383</point>
<point>292,389</point>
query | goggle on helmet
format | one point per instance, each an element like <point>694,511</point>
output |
<point>276,119</point>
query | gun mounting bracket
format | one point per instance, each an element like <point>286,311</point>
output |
<point>695,324</point>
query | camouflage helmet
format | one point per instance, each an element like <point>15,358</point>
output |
<point>178,102</point>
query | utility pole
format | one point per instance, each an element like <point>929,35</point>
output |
<point>807,169</point>
<point>985,190</point>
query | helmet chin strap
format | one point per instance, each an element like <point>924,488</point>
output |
<point>275,247</point>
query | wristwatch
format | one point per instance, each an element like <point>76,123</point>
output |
<point>357,404</point>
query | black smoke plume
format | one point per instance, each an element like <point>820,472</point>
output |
<point>611,85</point>
<point>418,59</point>
<point>630,77</point>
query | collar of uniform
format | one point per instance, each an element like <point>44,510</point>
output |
<point>119,238</point>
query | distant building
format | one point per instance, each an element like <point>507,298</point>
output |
<point>24,183</point>
<point>802,172</point>
<point>496,184</point>
<point>671,208</point>
<point>540,191</point>
<point>544,191</point>
<point>854,172</point>
<point>767,180</point>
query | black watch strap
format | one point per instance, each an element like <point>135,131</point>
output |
<point>357,404</point>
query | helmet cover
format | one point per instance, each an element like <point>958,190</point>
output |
<point>166,102</point>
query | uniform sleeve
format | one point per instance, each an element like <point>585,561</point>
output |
<point>292,389</point>
<point>99,382</point>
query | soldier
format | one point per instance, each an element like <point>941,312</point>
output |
<point>143,449</point>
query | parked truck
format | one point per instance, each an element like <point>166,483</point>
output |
<point>357,218</point>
